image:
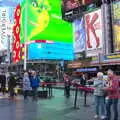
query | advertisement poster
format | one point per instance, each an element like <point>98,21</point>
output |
<point>45,22</point>
<point>93,26</point>
<point>116,26</point>
<point>16,35</point>
<point>71,4</point>
<point>4,17</point>
<point>10,28</point>
<point>79,34</point>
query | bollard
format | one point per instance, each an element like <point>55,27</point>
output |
<point>75,100</point>
<point>85,98</point>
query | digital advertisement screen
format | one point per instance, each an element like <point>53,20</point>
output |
<point>116,25</point>
<point>45,22</point>
<point>79,34</point>
<point>93,25</point>
<point>51,51</point>
<point>16,35</point>
<point>72,4</point>
<point>87,70</point>
<point>69,4</point>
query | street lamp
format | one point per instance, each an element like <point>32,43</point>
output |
<point>26,38</point>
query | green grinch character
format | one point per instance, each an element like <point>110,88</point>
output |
<point>37,17</point>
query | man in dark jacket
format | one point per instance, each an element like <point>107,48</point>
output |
<point>11,85</point>
<point>3,83</point>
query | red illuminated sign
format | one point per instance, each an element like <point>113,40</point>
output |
<point>16,34</point>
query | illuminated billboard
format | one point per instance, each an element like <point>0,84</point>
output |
<point>116,26</point>
<point>44,22</point>
<point>79,34</point>
<point>51,51</point>
<point>93,25</point>
<point>16,35</point>
<point>71,4</point>
<point>4,17</point>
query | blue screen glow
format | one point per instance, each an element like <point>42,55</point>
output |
<point>55,51</point>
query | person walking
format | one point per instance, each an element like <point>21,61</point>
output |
<point>83,82</point>
<point>26,85</point>
<point>49,86</point>
<point>3,83</point>
<point>11,85</point>
<point>35,83</point>
<point>113,95</point>
<point>99,85</point>
<point>83,79</point>
<point>67,85</point>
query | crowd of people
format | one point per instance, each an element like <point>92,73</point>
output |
<point>106,92</point>
<point>30,82</point>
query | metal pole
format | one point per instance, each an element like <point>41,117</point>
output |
<point>26,38</point>
<point>75,100</point>
<point>85,98</point>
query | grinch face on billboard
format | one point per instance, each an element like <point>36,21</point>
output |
<point>37,17</point>
<point>43,21</point>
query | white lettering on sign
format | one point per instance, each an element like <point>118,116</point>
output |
<point>3,26</point>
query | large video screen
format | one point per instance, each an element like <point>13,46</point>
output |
<point>45,22</point>
<point>116,25</point>
<point>51,51</point>
<point>71,4</point>
<point>79,35</point>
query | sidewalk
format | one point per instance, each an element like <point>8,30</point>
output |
<point>55,108</point>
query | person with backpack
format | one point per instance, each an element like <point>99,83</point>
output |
<point>35,83</point>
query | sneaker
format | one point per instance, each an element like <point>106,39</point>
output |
<point>103,117</point>
<point>96,116</point>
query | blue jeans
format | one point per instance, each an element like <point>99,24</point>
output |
<point>113,102</point>
<point>100,105</point>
